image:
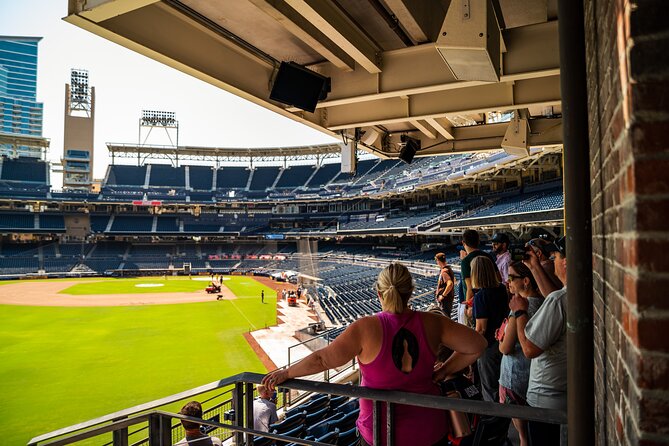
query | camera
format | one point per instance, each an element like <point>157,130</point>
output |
<point>519,252</point>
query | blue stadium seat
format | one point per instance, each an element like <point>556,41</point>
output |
<point>263,177</point>
<point>31,170</point>
<point>231,177</point>
<point>290,423</point>
<point>315,417</point>
<point>262,441</point>
<point>126,175</point>
<point>296,432</point>
<point>348,421</point>
<point>167,176</point>
<point>348,438</point>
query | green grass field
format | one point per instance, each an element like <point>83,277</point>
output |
<point>63,365</point>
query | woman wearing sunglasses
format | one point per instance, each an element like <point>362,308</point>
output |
<point>515,368</point>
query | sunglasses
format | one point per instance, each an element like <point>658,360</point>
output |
<point>514,277</point>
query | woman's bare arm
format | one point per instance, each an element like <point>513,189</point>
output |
<point>510,337</point>
<point>343,349</point>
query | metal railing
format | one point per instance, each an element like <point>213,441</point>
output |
<point>160,422</point>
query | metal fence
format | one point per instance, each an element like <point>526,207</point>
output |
<point>159,423</point>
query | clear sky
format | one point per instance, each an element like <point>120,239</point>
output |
<point>127,83</point>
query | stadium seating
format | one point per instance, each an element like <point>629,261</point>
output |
<point>51,222</point>
<point>294,176</point>
<point>324,175</point>
<point>167,176</point>
<point>132,224</point>
<point>120,175</point>
<point>231,177</point>
<point>263,178</point>
<point>31,170</point>
<point>17,222</point>
<point>200,178</point>
<point>316,420</point>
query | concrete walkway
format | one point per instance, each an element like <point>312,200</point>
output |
<point>276,340</point>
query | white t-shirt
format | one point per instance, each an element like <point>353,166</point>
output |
<point>264,414</point>
<point>548,371</point>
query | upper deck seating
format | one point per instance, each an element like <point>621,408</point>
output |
<point>232,177</point>
<point>32,170</point>
<point>120,175</point>
<point>200,178</point>
<point>294,176</point>
<point>167,176</point>
<point>263,177</point>
<point>324,175</point>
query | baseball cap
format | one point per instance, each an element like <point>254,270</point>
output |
<point>500,237</point>
<point>559,245</point>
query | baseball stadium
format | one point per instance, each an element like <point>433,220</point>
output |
<point>236,279</point>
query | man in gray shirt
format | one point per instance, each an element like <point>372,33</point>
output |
<point>543,339</point>
<point>264,410</point>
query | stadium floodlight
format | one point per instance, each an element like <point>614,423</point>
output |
<point>158,118</point>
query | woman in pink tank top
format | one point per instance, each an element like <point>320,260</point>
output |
<point>396,350</point>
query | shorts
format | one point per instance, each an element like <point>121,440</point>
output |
<point>508,396</point>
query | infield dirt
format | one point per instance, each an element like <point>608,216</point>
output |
<point>46,294</point>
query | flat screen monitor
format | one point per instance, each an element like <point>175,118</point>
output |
<point>298,86</point>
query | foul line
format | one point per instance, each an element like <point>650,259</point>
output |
<point>240,312</point>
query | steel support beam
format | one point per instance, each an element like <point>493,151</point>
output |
<point>297,25</point>
<point>444,129</point>
<point>476,138</point>
<point>424,129</point>
<point>329,19</point>
<point>483,98</point>
<point>421,19</point>
<point>532,52</point>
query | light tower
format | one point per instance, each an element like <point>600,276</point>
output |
<point>79,132</point>
<point>158,127</point>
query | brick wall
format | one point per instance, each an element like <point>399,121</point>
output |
<point>627,50</point>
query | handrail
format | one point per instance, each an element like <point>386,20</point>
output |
<point>120,424</point>
<point>229,381</point>
<point>388,396</point>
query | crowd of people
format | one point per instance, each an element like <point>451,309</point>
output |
<point>509,339</point>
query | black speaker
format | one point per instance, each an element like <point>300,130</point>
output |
<point>299,86</point>
<point>409,150</point>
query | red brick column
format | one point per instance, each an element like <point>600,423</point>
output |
<point>627,46</point>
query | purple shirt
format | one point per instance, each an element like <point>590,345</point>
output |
<point>503,261</point>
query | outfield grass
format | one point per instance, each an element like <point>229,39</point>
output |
<point>63,365</point>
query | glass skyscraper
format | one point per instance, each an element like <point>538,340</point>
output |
<point>20,113</point>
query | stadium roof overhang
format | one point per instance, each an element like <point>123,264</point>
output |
<point>387,76</point>
<point>143,151</point>
<point>15,139</point>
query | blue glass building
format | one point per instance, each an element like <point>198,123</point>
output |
<point>20,113</point>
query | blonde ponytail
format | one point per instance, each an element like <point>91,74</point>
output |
<point>395,285</point>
